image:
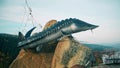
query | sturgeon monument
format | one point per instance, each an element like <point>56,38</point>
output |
<point>54,33</point>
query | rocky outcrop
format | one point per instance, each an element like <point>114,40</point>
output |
<point>68,54</point>
<point>32,60</point>
<point>50,23</point>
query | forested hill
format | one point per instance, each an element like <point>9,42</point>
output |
<point>8,49</point>
<point>8,44</point>
<point>98,47</point>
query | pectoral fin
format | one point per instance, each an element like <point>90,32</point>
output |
<point>38,48</point>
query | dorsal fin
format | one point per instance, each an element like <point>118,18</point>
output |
<point>29,32</point>
<point>21,36</point>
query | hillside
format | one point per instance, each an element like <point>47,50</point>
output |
<point>98,47</point>
<point>8,44</point>
<point>8,49</point>
<point>116,46</point>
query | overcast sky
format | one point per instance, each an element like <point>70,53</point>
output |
<point>105,13</point>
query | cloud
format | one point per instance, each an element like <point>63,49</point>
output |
<point>11,13</point>
<point>20,14</point>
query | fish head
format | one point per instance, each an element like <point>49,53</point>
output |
<point>78,26</point>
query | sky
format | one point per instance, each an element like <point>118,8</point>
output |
<point>14,17</point>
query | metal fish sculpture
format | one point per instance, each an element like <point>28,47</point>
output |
<point>54,33</point>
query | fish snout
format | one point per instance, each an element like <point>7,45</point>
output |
<point>93,27</point>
